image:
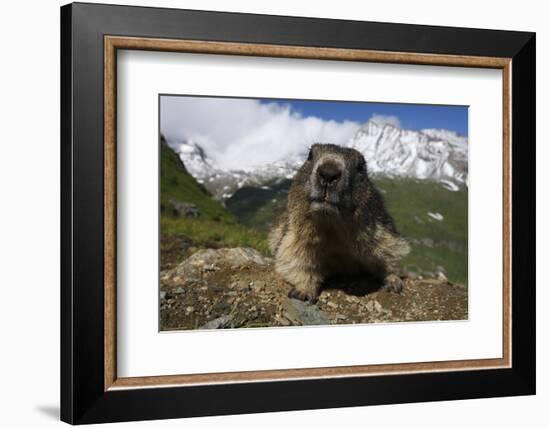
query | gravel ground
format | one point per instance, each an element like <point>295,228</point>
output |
<point>238,287</point>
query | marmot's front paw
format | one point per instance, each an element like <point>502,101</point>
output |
<point>393,283</point>
<point>303,295</point>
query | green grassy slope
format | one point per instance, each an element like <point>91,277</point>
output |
<point>433,243</point>
<point>215,226</point>
<point>177,184</point>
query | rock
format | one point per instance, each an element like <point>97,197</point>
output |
<point>184,209</point>
<point>411,274</point>
<point>428,242</point>
<point>282,321</point>
<point>374,306</point>
<point>210,268</point>
<point>189,310</point>
<point>257,286</point>
<point>222,306</point>
<point>441,276</point>
<point>205,262</point>
<point>240,285</point>
<point>332,305</point>
<point>162,295</point>
<point>221,322</point>
<point>302,313</point>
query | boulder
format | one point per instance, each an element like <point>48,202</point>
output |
<point>203,262</point>
<point>184,209</point>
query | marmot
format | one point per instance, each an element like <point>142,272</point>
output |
<point>335,222</point>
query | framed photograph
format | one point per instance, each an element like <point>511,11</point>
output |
<point>267,213</point>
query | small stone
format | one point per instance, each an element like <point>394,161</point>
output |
<point>374,306</point>
<point>341,317</point>
<point>441,276</point>
<point>189,310</point>
<point>221,322</point>
<point>282,321</point>
<point>302,313</point>
<point>210,268</point>
<point>222,306</point>
<point>257,286</point>
<point>332,305</point>
<point>428,242</point>
<point>178,290</point>
<point>412,275</point>
<point>162,295</point>
<point>239,285</point>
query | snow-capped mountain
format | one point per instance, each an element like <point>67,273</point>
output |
<point>430,154</point>
<point>223,183</point>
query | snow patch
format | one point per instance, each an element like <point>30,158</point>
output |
<point>436,216</point>
<point>449,185</point>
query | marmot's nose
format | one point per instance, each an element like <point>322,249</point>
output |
<point>329,172</point>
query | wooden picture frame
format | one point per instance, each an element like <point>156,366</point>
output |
<point>91,390</point>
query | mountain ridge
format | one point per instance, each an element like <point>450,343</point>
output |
<point>430,154</point>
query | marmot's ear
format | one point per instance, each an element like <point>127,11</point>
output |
<point>362,167</point>
<point>310,154</point>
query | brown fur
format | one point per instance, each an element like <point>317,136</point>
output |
<point>351,234</point>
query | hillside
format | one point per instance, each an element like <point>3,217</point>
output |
<point>435,221</point>
<point>214,227</point>
<point>257,207</point>
<point>177,184</point>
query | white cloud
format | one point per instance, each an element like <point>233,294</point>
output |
<point>382,120</point>
<point>241,133</point>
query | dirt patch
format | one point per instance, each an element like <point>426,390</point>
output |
<point>238,287</point>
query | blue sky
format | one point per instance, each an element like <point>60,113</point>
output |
<point>411,116</point>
